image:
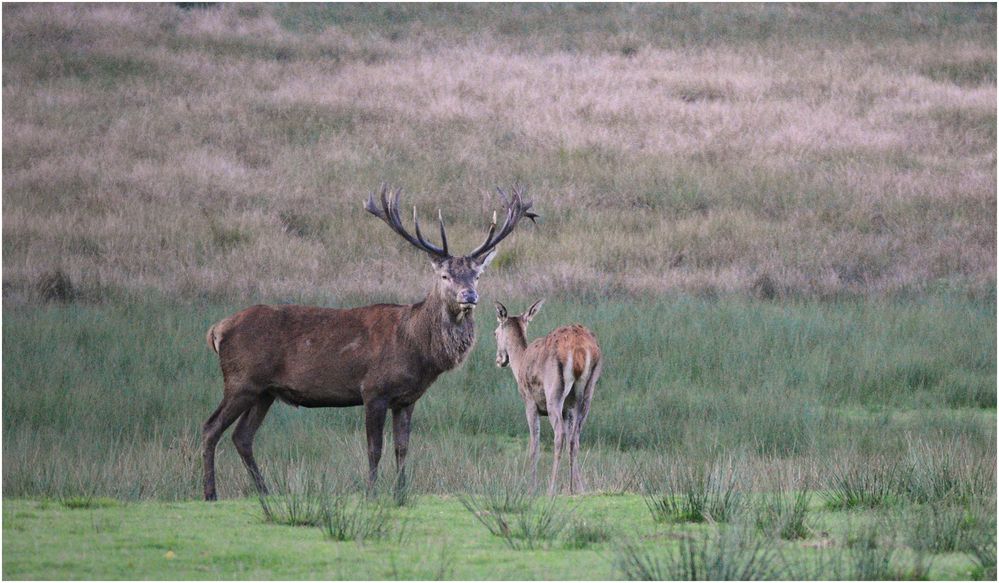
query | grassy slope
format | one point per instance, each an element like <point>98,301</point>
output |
<point>228,540</point>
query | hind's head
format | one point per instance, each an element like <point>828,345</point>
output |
<point>511,331</point>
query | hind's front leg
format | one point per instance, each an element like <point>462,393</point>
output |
<point>534,427</point>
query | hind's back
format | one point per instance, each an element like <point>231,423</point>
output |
<point>575,344</point>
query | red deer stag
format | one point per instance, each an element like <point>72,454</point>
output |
<point>555,376</point>
<point>382,357</point>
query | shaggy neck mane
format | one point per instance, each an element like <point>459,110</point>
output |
<point>448,336</point>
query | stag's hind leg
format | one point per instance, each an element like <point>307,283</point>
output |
<point>233,405</point>
<point>242,437</point>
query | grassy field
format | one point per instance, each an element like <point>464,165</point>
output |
<point>886,413</point>
<point>779,220</point>
<point>126,392</point>
<point>430,538</point>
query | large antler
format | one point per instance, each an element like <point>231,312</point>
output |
<point>389,212</point>
<point>515,210</point>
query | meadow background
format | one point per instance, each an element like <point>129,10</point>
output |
<point>780,221</point>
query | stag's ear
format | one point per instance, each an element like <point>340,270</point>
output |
<point>500,312</point>
<point>486,260</point>
<point>533,310</point>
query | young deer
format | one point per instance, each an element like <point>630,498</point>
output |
<point>555,376</point>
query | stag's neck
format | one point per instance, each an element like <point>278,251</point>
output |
<point>447,337</point>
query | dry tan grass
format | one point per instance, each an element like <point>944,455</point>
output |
<point>224,152</point>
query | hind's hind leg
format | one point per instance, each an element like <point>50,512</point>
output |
<point>583,411</point>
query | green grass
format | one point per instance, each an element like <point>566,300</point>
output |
<point>784,513</point>
<point>536,523</point>
<point>698,494</point>
<point>727,554</point>
<point>125,390</point>
<point>229,539</point>
<point>111,415</point>
<point>105,424</point>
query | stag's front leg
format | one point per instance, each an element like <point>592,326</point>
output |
<point>374,424</point>
<point>400,434</point>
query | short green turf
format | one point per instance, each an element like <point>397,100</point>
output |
<point>44,539</point>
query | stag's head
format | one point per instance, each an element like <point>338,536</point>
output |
<point>512,330</point>
<point>455,277</point>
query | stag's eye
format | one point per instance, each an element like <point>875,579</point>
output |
<point>444,277</point>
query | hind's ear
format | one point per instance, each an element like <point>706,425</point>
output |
<point>500,312</point>
<point>534,309</point>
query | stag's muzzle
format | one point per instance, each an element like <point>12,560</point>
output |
<point>468,299</point>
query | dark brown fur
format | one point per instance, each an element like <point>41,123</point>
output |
<point>383,357</point>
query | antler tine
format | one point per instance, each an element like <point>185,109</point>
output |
<point>502,194</point>
<point>370,205</point>
<point>489,237</point>
<point>515,210</point>
<point>391,206</point>
<point>416,225</point>
<point>395,206</point>
<point>424,242</point>
<point>519,193</point>
<point>440,219</point>
<point>389,212</point>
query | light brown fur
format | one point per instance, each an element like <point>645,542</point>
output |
<point>575,339</point>
<point>556,376</point>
